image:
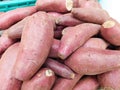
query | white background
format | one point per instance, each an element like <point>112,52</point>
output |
<point>113,8</point>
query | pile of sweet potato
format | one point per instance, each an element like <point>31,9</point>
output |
<point>59,45</point>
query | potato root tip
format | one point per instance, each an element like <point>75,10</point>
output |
<point>108,24</point>
<point>49,73</point>
<point>69,5</point>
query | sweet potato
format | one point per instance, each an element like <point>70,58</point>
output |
<point>54,5</point>
<point>89,4</point>
<point>59,68</point>
<point>7,62</point>
<point>90,82</point>
<point>75,3</point>
<point>66,84</point>
<point>110,31</point>
<point>15,31</point>
<point>96,43</point>
<point>76,37</point>
<point>92,61</point>
<point>110,80</point>
<point>54,14</point>
<point>5,41</point>
<point>9,18</point>
<point>31,54</point>
<point>80,2</point>
<point>93,15</point>
<point>43,80</point>
<point>87,83</point>
<point>54,49</point>
<point>67,20</point>
<point>66,30</point>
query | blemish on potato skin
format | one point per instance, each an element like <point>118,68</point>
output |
<point>39,74</point>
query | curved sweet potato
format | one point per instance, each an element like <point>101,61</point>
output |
<point>75,37</point>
